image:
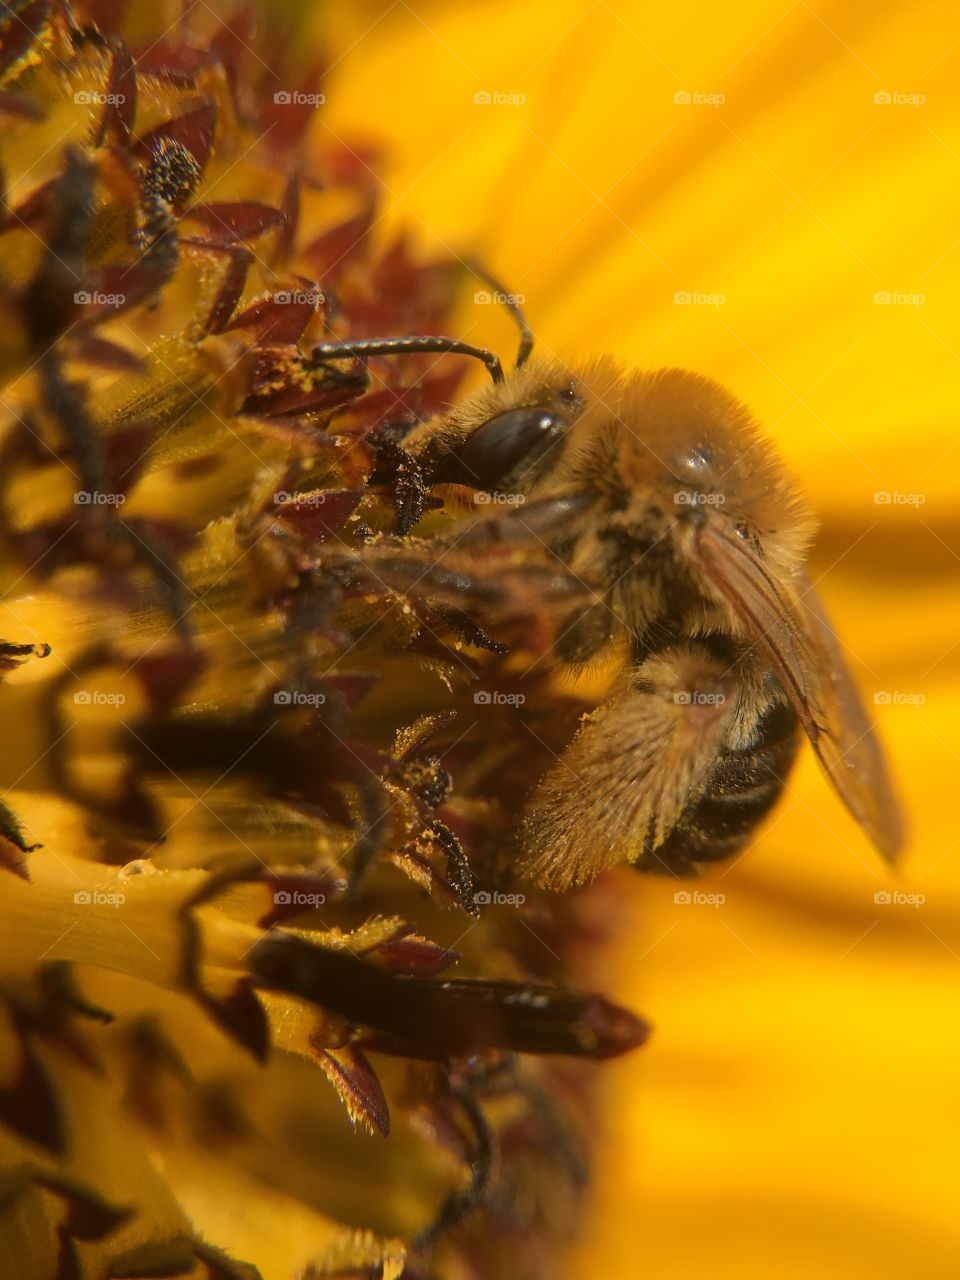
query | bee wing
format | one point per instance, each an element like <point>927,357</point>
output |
<point>790,627</point>
<point>621,786</point>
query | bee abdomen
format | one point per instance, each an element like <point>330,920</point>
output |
<point>744,786</point>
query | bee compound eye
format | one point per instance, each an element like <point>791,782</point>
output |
<point>501,445</point>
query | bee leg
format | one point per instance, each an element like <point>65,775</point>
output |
<point>422,575</point>
<point>460,873</point>
<point>461,1203</point>
<point>467,630</point>
<point>412,569</point>
<point>428,781</point>
<point>546,521</point>
<point>505,1075</point>
<point>502,592</point>
<point>410,491</point>
<point>406,477</point>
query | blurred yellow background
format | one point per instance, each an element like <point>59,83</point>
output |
<point>765,193</point>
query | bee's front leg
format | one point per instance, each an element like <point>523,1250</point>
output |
<point>503,582</point>
<point>544,521</point>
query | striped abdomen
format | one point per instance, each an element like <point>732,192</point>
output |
<point>742,788</point>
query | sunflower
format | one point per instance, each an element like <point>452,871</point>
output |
<point>246,847</point>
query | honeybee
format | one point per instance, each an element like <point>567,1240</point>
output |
<point>658,492</point>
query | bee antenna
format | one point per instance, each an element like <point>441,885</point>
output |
<point>362,348</point>
<point>508,300</point>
